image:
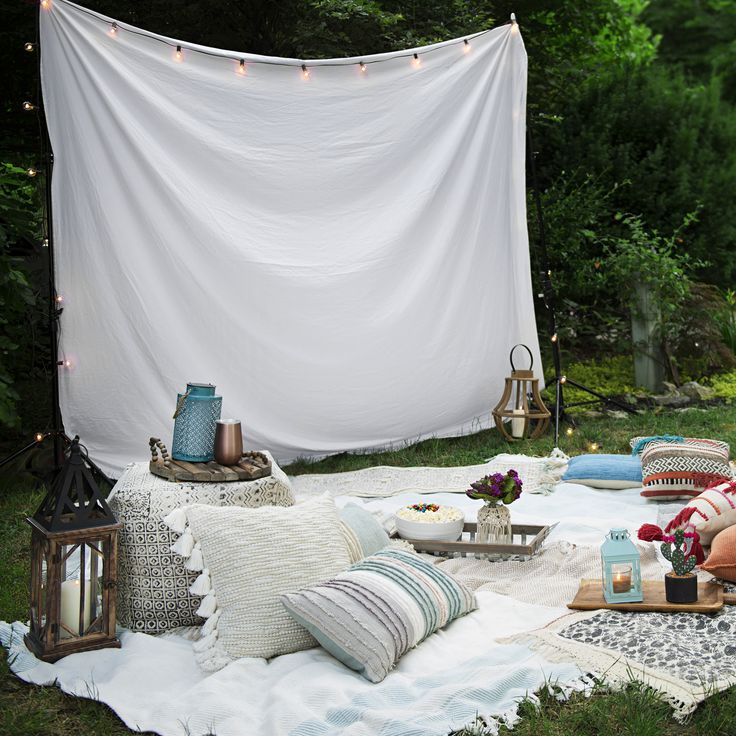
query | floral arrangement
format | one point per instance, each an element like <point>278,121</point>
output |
<point>497,488</point>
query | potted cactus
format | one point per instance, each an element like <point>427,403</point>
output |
<point>680,585</point>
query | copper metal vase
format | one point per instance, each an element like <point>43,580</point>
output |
<point>228,441</point>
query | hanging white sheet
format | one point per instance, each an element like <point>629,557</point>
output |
<point>344,256</point>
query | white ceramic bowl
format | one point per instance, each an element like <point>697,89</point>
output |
<point>442,531</point>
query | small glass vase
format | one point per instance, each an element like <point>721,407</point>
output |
<point>494,525</point>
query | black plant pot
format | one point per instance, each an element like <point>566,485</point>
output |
<point>681,589</point>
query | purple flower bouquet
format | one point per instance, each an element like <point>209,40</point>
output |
<point>497,488</point>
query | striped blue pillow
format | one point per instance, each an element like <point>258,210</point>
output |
<point>369,616</point>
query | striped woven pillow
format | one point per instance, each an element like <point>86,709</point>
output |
<point>672,470</point>
<point>709,513</point>
<point>372,614</point>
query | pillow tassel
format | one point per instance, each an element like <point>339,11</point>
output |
<point>202,585</point>
<point>210,624</point>
<point>208,605</point>
<point>206,642</point>
<point>195,563</point>
<point>184,545</point>
<point>650,533</point>
<point>681,519</point>
<point>176,520</point>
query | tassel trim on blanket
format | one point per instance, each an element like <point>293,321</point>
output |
<point>207,653</point>
<point>613,668</point>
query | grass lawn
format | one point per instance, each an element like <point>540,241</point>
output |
<point>27,711</point>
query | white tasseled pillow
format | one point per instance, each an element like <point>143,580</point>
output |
<point>249,558</point>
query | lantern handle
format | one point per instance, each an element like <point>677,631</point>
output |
<point>511,356</point>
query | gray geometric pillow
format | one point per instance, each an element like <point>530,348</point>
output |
<point>153,582</point>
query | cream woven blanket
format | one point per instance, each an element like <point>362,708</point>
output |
<point>540,474</point>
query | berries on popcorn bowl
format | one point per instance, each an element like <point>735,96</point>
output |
<point>429,521</point>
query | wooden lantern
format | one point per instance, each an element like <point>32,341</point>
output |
<point>521,403</point>
<point>73,566</point>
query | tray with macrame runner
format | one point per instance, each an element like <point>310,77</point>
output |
<point>251,466</point>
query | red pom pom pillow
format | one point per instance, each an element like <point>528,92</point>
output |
<point>672,470</point>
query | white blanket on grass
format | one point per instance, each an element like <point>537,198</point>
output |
<point>154,683</point>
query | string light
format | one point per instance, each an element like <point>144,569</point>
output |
<point>28,106</point>
<point>38,437</point>
<point>363,67</point>
<point>569,431</point>
<point>59,298</point>
<point>593,446</point>
<point>563,379</point>
<point>45,4</point>
<point>28,46</point>
<point>466,46</point>
<point>514,26</point>
<point>416,61</point>
<point>179,53</point>
<point>554,337</point>
<point>45,243</point>
<point>32,172</point>
<point>305,71</point>
<point>67,363</point>
<point>113,29</point>
<point>241,67</point>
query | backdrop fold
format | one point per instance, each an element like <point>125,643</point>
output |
<point>344,256</point>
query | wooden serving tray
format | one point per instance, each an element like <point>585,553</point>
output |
<point>252,465</point>
<point>590,597</point>
<point>527,539</point>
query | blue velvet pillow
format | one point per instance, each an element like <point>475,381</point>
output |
<point>605,471</point>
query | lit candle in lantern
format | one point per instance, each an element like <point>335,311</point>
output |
<point>70,601</point>
<point>622,580</point>
<point>517,424</point>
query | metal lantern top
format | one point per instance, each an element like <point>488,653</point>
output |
<point>74,501</point>
<point>618,546</point>
<point>521,402</point>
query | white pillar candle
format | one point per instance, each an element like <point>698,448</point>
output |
<point>70,601</point>
<point>517,424</point>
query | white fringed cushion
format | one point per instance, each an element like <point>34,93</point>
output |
<point>153,581</point>
<point>250,557</point>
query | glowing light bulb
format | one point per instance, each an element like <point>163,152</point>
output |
<point>466,46</point>
<point>554,337</point>
<point>305,71</point>
<point>363,67</point>
<point>38,437</point>
<point>32,172</point>
<point>569,431</point>
<point>45,4</point>
<point>241,67</point>
<point>113,29</point>
<point>29,46</point>
<point>45,243</point>
<point>593,446</point>
<point>59,299</point>
<point>179,53</point>
<point>28,105</point>
<point>563,379</point>
<point>416,61</point>
<point>67,364</point>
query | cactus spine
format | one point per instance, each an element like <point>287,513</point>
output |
<point>675,553</point>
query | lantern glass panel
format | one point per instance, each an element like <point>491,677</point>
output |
<point>620,568</point>
<point>81,600</point>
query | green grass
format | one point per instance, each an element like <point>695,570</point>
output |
<point>635,711</point>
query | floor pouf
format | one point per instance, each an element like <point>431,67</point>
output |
<point>153,584</point>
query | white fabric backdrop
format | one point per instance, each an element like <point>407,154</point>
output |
<point>345,257</point>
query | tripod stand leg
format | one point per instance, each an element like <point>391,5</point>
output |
<point>602,397</point>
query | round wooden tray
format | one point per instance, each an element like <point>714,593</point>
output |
<point>251,466</point>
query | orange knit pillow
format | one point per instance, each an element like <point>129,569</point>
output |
<point>721,561</point>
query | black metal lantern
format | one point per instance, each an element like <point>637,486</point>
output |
<point>521,403</point>
<point>73,566</point>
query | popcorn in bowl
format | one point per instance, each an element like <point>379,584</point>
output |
<point>430,521</point>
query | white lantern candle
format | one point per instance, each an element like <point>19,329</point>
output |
<point>70,601</point>
<point>517,424</point>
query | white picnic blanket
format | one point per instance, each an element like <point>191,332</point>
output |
<point>154,683</point>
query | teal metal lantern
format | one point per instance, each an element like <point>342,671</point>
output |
<point>621,568</point>
<point>195,420</point>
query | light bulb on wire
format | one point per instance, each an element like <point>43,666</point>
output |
<point>59,299</point>
<point>305,71</point>
<point>241,67</point>
<point>38,437</point>
<point>113,29</point>
<point>416,61</point>
<point>28,46</point>
<point>569,431</point>
<point>179,55</point>
<point>362,66</point>
<point>563,379</point>
<point>466,46</point>
<point>45,4</point>
<point>32,172</point>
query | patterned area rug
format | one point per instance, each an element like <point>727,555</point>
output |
<point>540,475</point>
<point>687,657</point>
